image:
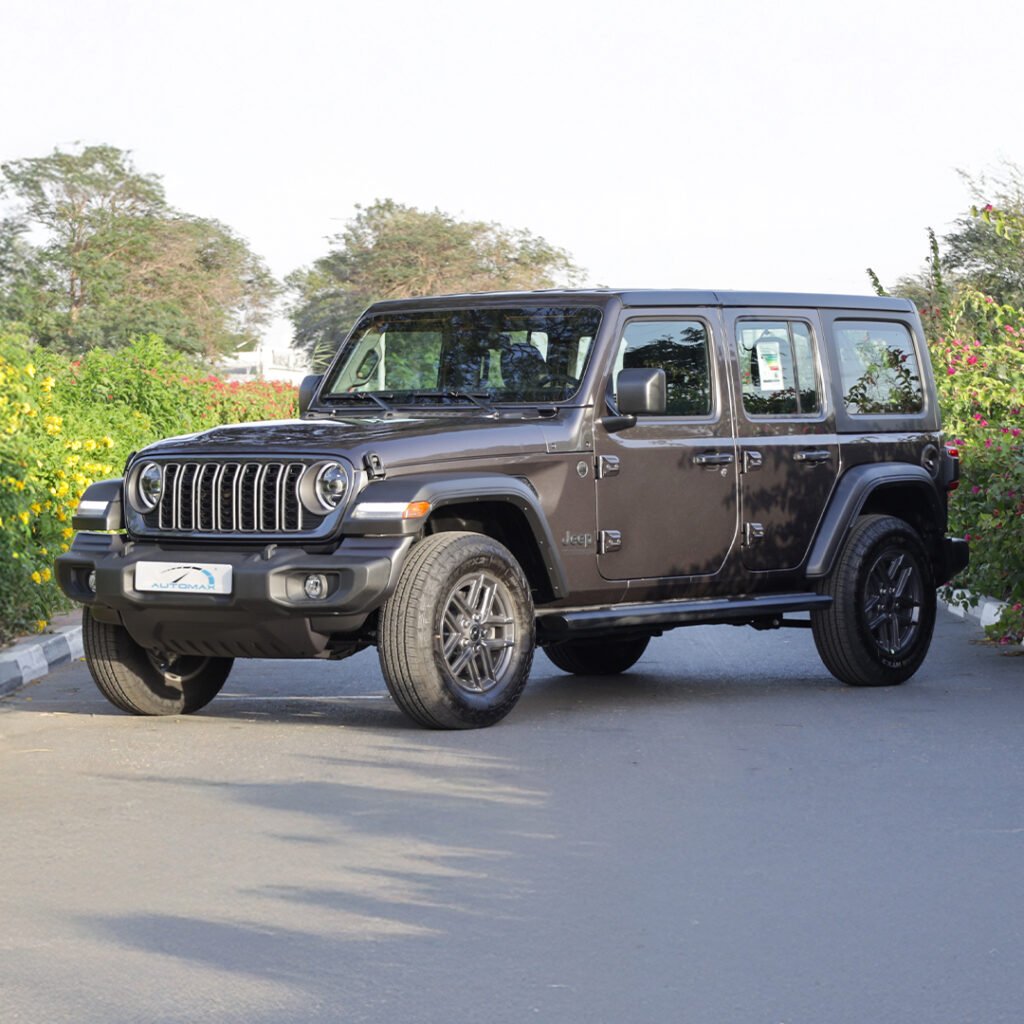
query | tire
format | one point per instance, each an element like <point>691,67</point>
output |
<point>597,656</point>
<point>880,625</point>
<point>456,639</point>
<point>145,683</point>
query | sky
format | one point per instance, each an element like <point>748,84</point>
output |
<point>731,144</point>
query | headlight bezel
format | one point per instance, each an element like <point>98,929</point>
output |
<point>315,487</point>
<point>137,495</point>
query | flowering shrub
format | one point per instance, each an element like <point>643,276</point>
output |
<point>64,424</point>
<point>977,350</point>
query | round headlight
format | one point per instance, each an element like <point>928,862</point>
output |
<point>331,485</point>
<point>149,485</point>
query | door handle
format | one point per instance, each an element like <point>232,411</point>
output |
<point>813,455</point>
<point>713,459</point>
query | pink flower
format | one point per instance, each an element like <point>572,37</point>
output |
<point>971,360</point>
<point>975,489</point>
<point>951,370</point>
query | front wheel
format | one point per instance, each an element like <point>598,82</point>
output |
<point>456,638</point>
<point>879,627</point>
<point>145,682</point>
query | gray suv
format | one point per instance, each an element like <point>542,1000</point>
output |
<point>477,475</point>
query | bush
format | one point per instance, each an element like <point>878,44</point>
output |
<point>978,354</point>
<point>64,424</point>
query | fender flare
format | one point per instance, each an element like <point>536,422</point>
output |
<point>850,496</point>
<point>443,489</point>
<point>100,508</point>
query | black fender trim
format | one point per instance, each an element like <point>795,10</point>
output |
<point>99,508</point>
<point>852,493</point>
<point>442,489</point>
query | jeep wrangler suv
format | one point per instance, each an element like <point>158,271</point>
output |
<point>477,475</point>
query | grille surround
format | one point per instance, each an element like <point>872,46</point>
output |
<point>232,498</point>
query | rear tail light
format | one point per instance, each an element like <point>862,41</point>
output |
<point>953,474</point>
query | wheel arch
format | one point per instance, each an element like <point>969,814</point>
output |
<point>504,508</point>
<point>905,491</point>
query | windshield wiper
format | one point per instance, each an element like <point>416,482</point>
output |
<point>479,399</point>
<point>365,396</point>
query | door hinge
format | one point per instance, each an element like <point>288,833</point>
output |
<point>609,542</point>
<point>752,532</point>
<point>607,465</point>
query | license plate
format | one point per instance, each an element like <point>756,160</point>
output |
<point>183,577</point>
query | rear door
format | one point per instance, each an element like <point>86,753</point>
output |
<point>786,434</point>
<point>666,488</point>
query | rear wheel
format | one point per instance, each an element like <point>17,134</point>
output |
<point>879,627</point>
<point>456,638</point>
<point>598,656</point>
<point>145,682</point>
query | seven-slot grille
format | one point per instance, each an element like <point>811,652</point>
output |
<point>232,497</point>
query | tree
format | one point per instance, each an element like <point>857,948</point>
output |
<point>93,255</point>
<point>978,252</point>
<point>390,251</point>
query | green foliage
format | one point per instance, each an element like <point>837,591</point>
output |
<point>65,423</point>
<point>391,251</point>
<point>113,260</point>
<point>980,376</point>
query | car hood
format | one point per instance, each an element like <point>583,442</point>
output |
<point>398,441</point>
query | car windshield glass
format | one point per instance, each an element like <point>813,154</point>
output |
<point>467,356</point>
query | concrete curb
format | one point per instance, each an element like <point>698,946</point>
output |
<point>985,613</point>
<point>33,657</point>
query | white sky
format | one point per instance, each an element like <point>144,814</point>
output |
<point>732,144</point>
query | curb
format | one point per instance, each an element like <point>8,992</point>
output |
<point>986,612</point>
<point>33,657</point>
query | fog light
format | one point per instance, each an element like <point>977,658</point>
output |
<point>316,586</point>
<point>91,581</point>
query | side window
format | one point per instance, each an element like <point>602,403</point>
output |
<point>777,368</point>
<point>878,367</point>
<point>680,348</point>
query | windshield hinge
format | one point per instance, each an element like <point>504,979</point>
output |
<point>374,466</point>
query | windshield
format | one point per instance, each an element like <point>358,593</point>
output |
<point>498,355</point>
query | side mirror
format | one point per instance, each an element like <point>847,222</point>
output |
<point>307,389</point>
<point>642,391</point>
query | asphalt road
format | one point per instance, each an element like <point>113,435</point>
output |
<point>724,835</point>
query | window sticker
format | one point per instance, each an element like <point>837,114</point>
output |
<point>769,365</point>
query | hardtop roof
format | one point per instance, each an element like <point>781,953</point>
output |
<point>655,297</point>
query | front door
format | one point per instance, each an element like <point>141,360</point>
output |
<point>666,488</point>
<point>788,447</point>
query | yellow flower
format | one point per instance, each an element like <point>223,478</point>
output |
<point>36,507</point>
<point>36,578</point>
<point>66,532</point>
<point>40,624</point>
<point>14,554</point>
<point>30,370</point>
<point>46,574</point>
<point>64,547</point>
<point>24,517</point>
<point>48,383</point>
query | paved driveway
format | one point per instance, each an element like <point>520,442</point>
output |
<point>723,836</point>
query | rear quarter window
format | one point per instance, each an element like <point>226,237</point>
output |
<point>879,370</point>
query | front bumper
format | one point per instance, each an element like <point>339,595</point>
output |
<point>266,615</point>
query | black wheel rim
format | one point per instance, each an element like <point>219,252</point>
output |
<point>893,597</point>
<point>478,633</point>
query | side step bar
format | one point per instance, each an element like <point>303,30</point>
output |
<point>659,615</point>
